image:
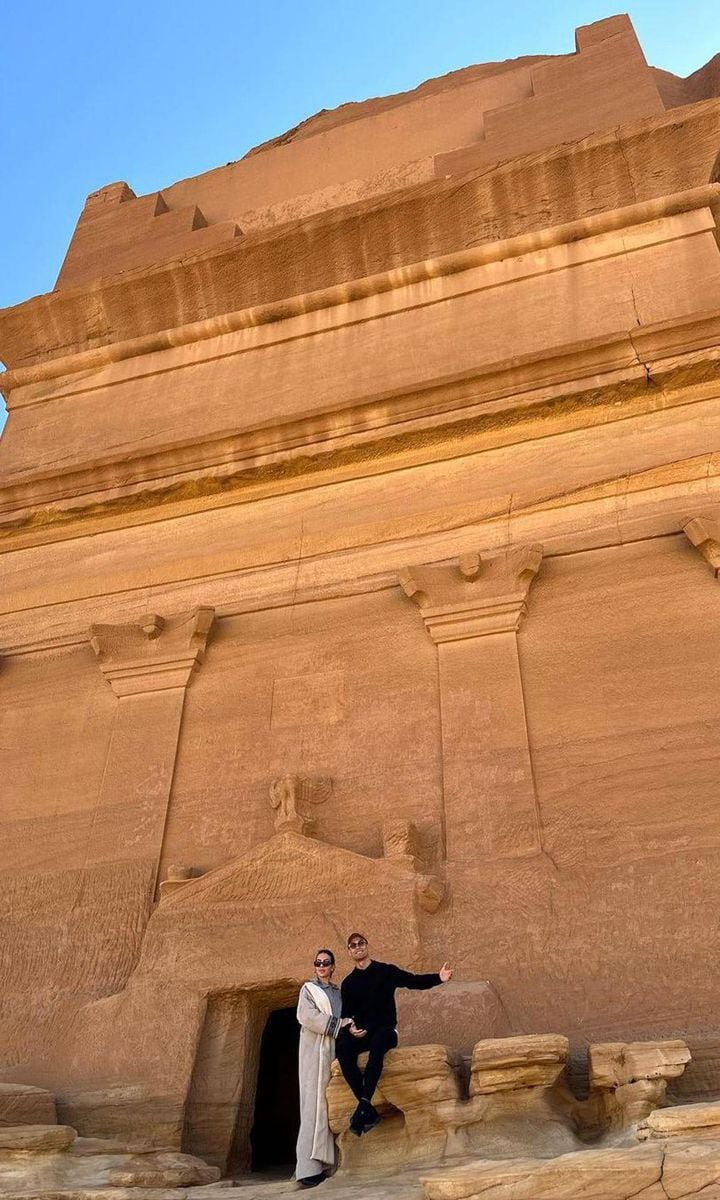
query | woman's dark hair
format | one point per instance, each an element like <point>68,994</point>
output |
<point>329,953</point>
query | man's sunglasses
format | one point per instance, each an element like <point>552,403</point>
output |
<point>322,962</point>
<point>355,945</point>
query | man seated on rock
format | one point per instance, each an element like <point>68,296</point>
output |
<point>368,998</point>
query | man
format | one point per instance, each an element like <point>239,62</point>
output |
<point>368,998</point>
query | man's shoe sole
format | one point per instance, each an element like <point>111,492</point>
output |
<point>372,1124</point>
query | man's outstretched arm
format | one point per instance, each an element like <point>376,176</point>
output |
<point>421,983</point>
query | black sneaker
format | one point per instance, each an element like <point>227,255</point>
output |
<point>371,1116</point>
<point>357,1120</point>
<point>313,1180</point>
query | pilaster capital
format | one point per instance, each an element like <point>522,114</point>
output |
<point>473,597</point>
<point>705,537</point>
<point>153,654</point>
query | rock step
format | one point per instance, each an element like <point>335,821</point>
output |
<point>37,1137</point>
<point>87,1147</point>
<point>682,1121</point>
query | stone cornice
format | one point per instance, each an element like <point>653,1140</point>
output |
<point>415,427</point>
<point>153,654</point>
<point>447,265</point>
<point>475,597</point>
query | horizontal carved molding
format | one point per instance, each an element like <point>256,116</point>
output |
<point>526,244</point>
<point>158,676</point>
<point>421,425</point>
<point>478,620</point>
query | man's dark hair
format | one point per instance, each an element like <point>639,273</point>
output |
<point>324,950</point>
<point>352,936</point>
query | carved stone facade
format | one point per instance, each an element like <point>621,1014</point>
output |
<point>360,525</point>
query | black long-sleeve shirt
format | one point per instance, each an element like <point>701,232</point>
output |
<point>368,995</point>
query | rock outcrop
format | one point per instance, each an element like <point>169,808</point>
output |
<point>684,1121</point>
<point>505,1064</point>
<point>50,1160</point>
<point>655,1172</point>
<point>462,1122</point>
<point>614,1174</point>
<point>632,1077</point>
<point>428,1114</point>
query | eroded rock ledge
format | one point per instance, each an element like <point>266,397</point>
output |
<point>512,1095</point>
<point>501,1122</point>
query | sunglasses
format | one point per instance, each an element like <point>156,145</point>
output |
<point>322,962</point>
<point>355,945</point>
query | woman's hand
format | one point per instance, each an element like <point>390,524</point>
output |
<point>355,1031</point>
<point>445,972</point>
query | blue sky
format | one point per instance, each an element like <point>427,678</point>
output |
<point>151,93</point>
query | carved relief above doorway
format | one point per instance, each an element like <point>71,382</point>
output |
<point>222,952</point>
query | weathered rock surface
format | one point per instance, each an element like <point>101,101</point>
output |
<point>465,1011</point>
<point>42,1160</point>
<point>685,1120</point>
<point>613,1064</point>
<point>427,1116</point>
<point>613,1174</point>
<point>689,1168</point>
<point>407,1188</point>
<point>110,1111</point>
<point>502,1064</point>
<point>36,1137</point>
<point>675,1171</point>
<point>633,1102</point>
<point>163,1170</point>
<point>89,1145</point>
<point>632,1078</point>
<point>21,1104</point>
<point>655,1172</point>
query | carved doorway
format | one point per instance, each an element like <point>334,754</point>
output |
<point>277,1098</point>
<point>220,1106</point>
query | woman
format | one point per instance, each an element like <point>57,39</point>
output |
<point>318,1012</point>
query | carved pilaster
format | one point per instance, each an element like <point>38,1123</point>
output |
<point>155,654</point>
<point>473,598</point>
<point>472,610</point>
<point>705,537</point>
<point>148,665</point>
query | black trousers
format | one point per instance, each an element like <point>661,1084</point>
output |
<point>347,1050</point>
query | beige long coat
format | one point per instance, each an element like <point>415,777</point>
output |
<point>315,1145</point>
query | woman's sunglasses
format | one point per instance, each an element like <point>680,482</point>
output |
<point>322,962</point>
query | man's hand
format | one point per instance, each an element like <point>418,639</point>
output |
<point>445,972</point>
<point>355,1031</point>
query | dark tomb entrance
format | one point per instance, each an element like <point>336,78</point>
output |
<point>277,1100</point>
